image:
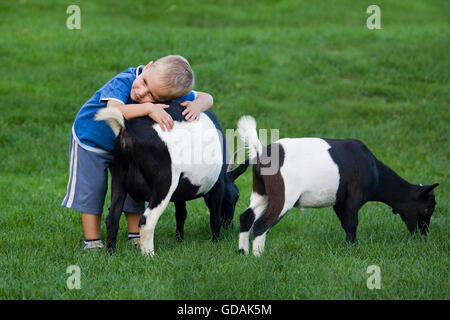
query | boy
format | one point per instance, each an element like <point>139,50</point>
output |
<point>135,93</point>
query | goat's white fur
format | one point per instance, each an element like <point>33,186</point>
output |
<point>195,149</point>
<point>309,173</point>
<point>247,131</point>
<point>147,231</point>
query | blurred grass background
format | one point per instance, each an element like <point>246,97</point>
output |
<point>307,68</point>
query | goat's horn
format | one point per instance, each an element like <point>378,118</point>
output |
<point>231,164</point>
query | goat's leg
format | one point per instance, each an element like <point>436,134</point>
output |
<point>118,195</point>
<point>153,212</point>
<point>180,216</point>
<point>274,213</point>
<point>213,200</point>
<point>258,205</point>
<point>350,223</point>
<point>348,215</point>
<point>227,220</point>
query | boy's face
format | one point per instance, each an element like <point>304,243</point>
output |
<point>149,86</point>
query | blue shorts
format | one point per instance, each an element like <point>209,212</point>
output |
<point>88,181</point>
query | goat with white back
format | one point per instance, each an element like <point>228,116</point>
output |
<point>317,173</point>
<point>159,166</point>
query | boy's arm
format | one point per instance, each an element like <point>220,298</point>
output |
<point>153,110</point>
<point>203,102</point>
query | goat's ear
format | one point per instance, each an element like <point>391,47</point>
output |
<point>239,170</point>
<point>424,190</point>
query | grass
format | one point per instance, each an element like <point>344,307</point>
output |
<point>307,69</point>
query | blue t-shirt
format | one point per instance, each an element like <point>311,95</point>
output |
<point>98,136</point>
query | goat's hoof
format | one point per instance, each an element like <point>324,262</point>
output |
<point>148,253</point>
<point>242,251</point>
<point>179,238</point>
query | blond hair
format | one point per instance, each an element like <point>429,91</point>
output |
<point>177,75</point>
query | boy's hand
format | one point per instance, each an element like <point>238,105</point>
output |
<point>160,116</point>
<point>192,111</point>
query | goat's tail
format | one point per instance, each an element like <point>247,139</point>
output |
<point>247,131</point>
<point>113,117</point>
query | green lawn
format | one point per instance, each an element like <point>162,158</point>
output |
<point>307,68</point>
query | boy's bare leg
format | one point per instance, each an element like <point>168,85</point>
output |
<point>91,225</point>
<point>133,227</point>
<point>133,221</point>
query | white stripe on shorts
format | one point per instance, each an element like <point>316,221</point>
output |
<point>70,172</point>
<point>73,172</point>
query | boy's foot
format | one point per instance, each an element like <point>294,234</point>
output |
<point>134,239</point>
<point>93,244</point>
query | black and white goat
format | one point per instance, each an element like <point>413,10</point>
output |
<point>160,166</point>
<point>315,173</point>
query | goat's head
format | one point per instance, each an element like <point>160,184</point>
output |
<point>231,190</point>
<point>417,212</point>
